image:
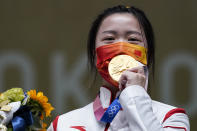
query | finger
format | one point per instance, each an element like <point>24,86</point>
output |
<point>142,76</point>
<point>140,73</point>
<point>125,76</point>
<point>134,69</point>
<point>122,81</point>
<point>121,86</point>
<point>130,78</point>
<point>141,70</point>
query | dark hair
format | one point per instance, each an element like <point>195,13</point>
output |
<point>144,24</point>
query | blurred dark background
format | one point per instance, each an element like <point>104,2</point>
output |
<point>43,47</point>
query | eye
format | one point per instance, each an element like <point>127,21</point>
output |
<point>133,39</point>
<point>109,38</point>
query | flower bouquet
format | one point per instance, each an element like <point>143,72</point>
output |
<point>21,111</point>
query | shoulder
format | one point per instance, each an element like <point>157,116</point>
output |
<point>161,109</point>
<point>171,116</point>
<point>78,114</point>
<point>78,118</point>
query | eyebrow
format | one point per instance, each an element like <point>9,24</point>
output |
<point>133,32</point>
<point>127,33</point>
<point>110,31</point>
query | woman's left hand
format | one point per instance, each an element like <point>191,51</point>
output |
<point>134,76</point>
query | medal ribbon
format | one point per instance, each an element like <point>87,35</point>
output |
<point>108,115</point>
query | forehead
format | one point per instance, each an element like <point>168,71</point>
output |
<point>120,21</point>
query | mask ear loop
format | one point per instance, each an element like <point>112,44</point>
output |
<point>146,74</point>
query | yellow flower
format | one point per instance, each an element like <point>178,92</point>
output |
<point>44,126</point>
<point>41,116</point>
<point>42,100</point>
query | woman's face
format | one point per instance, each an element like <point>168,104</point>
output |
<point>120,27</point>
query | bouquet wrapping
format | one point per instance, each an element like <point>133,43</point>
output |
<point>22,111</point>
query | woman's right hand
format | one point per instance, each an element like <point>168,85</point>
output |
<point>134,76</point>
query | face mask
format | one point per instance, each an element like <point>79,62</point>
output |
<point>105,54</point>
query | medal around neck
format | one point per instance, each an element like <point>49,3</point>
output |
<point>119,64</point>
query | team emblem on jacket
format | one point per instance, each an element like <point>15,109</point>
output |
<point>81,128</point>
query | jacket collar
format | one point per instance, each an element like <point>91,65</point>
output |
<point>106,96</point>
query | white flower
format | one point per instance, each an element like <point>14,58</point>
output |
<point>3,127</point>
<point>5,117</point>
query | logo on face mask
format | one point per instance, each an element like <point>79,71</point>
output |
<point>113,59</point>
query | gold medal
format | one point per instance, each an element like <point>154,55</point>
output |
<point>119,64</point>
